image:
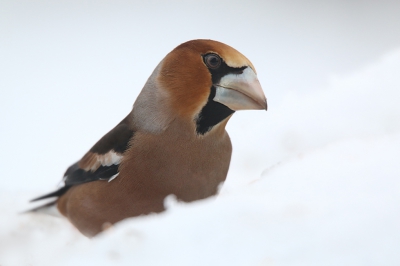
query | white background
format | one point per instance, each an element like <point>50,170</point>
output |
<point>71,70</point>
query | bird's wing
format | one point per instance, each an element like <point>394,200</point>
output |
<point>101,162</point>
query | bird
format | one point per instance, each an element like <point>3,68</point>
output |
<point>172,142</point>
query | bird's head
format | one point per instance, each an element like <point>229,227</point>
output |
<point>204,82</point>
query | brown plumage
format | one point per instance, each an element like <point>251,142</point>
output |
<point>173,141</point>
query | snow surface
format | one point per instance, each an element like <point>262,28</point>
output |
<point>335,202</point>
<point>313,181</point>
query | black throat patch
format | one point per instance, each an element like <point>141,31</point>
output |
<point>211,114</point>
<point>214,112</point>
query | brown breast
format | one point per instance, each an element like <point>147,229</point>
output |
<point>155,166</point>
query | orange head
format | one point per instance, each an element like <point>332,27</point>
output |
<point>202,81</point>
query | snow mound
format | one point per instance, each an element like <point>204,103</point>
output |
<point>329,194</point>
<point>334,206</point>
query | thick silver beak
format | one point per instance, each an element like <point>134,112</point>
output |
<point>241,92</point>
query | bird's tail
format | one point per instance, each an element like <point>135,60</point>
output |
<point>48,208</point>
<point>56,193</point>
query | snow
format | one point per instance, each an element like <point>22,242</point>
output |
<point>335,201</point>
<point>313,181</point>
<point>337,205</point>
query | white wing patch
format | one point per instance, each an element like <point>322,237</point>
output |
<point>109,158</point>
<point>113,177</point>
<point>92,161</point>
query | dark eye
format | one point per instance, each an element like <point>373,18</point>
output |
<point>213,61</point>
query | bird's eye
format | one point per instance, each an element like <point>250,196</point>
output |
<point>213,61</point>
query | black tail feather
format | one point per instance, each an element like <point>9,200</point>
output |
<point>37,209</point>
<point>56,193</point>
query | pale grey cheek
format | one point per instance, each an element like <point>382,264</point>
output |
<point>150,110</point>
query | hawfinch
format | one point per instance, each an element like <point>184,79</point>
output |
<point>172,142</point>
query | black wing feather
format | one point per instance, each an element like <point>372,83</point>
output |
<point>81,176</point>
<point>116,140</point>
